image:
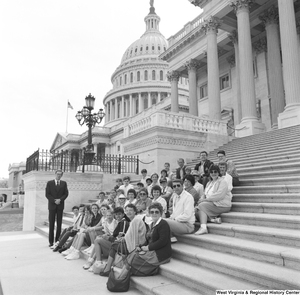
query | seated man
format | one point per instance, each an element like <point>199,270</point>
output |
<point>226,176</point>
<point>231,170</point>
<point>144,177</point>
<point>126,185</point>
<point>182,218</point>
<point>169,172</point>
<point>188,184</point>
<point>180,171</point>
<point>102,199</point>
<point>202,167</point>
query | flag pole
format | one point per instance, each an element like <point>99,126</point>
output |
<point>67,116</point>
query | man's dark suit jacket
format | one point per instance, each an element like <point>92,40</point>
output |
<point>206,167</point>
<point>56,192</point>
<point>178,172</point>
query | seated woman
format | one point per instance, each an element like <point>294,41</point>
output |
<point>154,178</point>
<point>79,237</point>
<point>95,230</point>
<point>134,236</point>
<point>131,197</point>
<point>163,175</point>
<point>144,202</point>
<point>103,243</point>
<point>156,194</point>
<point>157,248</point>
<point>217,199</point>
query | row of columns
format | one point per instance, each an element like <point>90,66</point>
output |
<point>128,106</point>
<point>281,82</point>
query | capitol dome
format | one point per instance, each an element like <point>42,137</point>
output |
<point>152,42</point>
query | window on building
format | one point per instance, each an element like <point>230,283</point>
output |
<point>224,82</point>
<point>153,75</point>
<point>138,76</point>
<point>158,48</point>
<point>131,77</point>
<point>153,47</point>
<point>146,75</point>
<point>120,81</point>
<point>119,148</point>
<point>147,48</point>
<point>135,50</point>
<point>161,75</point>
<point>125,79</point>
<point>203,91</point>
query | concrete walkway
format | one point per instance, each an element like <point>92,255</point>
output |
<point>29,267</point>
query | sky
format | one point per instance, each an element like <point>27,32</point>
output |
<point>55,51</point>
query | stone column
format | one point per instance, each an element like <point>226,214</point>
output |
<point>141,103</point>
<point>131,106</point>
<point>159,96</point>
<point>191,67</point>
<point>149,99</point>
<point>249,124</point>
<point>122,108</point>
<point>173,77</point>
<point>116,108</point>
<point>210,27</point>
<point>111,115</point>
<point>106,113</point>
<point>238,105</point>
<point>291,64</point>
<point>270,19</point>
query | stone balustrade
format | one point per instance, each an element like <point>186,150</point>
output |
<point>167,119</point>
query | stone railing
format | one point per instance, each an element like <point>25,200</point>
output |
<point>166,119</point>
<point>190,26</point>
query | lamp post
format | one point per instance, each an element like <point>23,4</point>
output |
<point>85,116</point>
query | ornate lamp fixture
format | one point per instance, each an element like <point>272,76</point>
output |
<point>85,116</point>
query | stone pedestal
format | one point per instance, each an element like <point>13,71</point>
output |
<point>247,128</point>
<point>289,118</point>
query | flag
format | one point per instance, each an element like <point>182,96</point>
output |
<point>70,106</point>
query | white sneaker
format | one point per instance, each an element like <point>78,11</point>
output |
<point>89,250</point>
<point>74,255</point>
<point>173,240</point>
<point>201,231</point>
<point>54,245</point>
<point>217,220</point>
<point>68,251</point>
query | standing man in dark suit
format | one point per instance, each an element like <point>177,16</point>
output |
<point>56,193</point>
<point>203,168</point>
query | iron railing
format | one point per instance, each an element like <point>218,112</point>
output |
<point>73,161</point>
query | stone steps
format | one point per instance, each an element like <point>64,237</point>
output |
<point>266,174</point>
<point>278,236</point>
<point>267,197</point>
<point>268,180</point>
<point>263,219</point>
<point>270,208</point>
<point>288,257</point>
<point>276,188</point>
<point>265,274</point>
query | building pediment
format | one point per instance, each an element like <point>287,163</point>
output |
<point>59,140</point>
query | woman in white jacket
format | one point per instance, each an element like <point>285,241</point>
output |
<point>217,199</point>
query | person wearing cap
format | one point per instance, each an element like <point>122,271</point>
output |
<point>182,218</point>
<point>144,177</point>
<point>121,201</point>
<point>198,186</point>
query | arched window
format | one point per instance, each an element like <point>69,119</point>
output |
<point>147,48</point>
<point>146,75</point>
<point>153,47</point>
<point>135,50</point>
<point>161,75</point>
<point>120,81</point>
<point>153,75</point>
<point>158,48</point>
<point>138,77</point>
<point>131,77</point>
<point>141,49</point>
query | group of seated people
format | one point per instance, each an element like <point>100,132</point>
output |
<point>147,218</point>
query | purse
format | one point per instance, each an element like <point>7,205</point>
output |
<point>118,284</point>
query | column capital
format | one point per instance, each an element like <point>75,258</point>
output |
<point>199,3</point>
<point>231,60</point>
<point>173,76</point>
<point>270,16</point>
<point>211,24</point>
<point>238,5</point>
<point>260,45</point>
<point>192,64</point>
<point>233,36</point>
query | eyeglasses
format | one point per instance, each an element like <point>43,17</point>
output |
<point>154,212</point>
<point>176,185</point>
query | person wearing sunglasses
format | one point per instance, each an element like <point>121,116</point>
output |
<point>217,199</point>
<point>144,202</point>
<point>157,248</point>
<point>182,218</point>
